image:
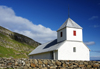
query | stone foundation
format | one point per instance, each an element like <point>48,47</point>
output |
<point>11,63</point>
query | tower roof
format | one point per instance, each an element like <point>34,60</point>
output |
<point>70,23</point>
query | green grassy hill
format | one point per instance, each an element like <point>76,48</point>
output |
<point>15,45</point>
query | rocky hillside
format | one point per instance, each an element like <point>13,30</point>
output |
<point>15,45</point>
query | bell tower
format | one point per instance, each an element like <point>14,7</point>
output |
<point>70,31</point>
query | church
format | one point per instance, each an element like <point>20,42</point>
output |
<point>69,45</point>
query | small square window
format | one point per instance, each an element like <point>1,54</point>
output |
<point>74,49</point>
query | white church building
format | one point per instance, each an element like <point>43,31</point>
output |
<point>68,45</point>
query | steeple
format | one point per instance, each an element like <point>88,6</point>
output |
<point>69,23</point>
<point>69,30</point>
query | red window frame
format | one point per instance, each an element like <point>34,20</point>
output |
<point>74,33</point>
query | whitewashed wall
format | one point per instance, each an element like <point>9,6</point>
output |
<point>65,52</point>
<point>63,37</point>
<point>46,55</point>
<point>70,36</point>
<point>56,54</point>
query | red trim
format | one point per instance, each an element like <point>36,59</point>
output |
<point>74,33</point>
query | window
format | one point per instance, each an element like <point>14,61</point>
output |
<point>74,49</point>
<point>61,34</point>
<point>74,33</point>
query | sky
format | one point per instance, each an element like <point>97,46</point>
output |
<point>40,19</point>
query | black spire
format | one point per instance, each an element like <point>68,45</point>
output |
<point>68,12</point>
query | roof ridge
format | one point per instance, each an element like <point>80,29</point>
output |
<point>69,23</point>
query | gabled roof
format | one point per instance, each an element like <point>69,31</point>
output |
<point>70,23</point>
<point>49,46</point>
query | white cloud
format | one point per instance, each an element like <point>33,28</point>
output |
<point>95,26</point>
<point>97,51</point>
<point>93,17</point>
<point>90,43</point>
<point>95,58</point>
<point>9,20</point>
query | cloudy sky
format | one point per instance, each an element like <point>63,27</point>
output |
<point>40,19</point>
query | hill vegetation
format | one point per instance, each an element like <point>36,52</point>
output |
<point>15,45</point>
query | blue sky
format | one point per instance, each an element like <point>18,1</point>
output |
<point>40,19</point>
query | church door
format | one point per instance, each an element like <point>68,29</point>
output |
<point>52,56</point>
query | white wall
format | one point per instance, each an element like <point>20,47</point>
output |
<point>56,54</point>
<point>46,55</point>
<point>63,37</point>
<point>65,52</point>
<point>70,36</point>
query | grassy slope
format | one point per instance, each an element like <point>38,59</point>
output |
<point>12,48</point>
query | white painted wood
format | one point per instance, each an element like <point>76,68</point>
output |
<point>46,55</point>
<point>70,35</point>
<point>59,39</point>
<point>65,52</point>
<point>56,54</point>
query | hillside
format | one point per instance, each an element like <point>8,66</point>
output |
<point>15,45</point>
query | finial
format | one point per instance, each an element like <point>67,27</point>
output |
<point>68,12</point>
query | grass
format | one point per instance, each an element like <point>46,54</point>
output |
<point>13,52</point>
<point>9,52</point>
<point>6,52</point>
